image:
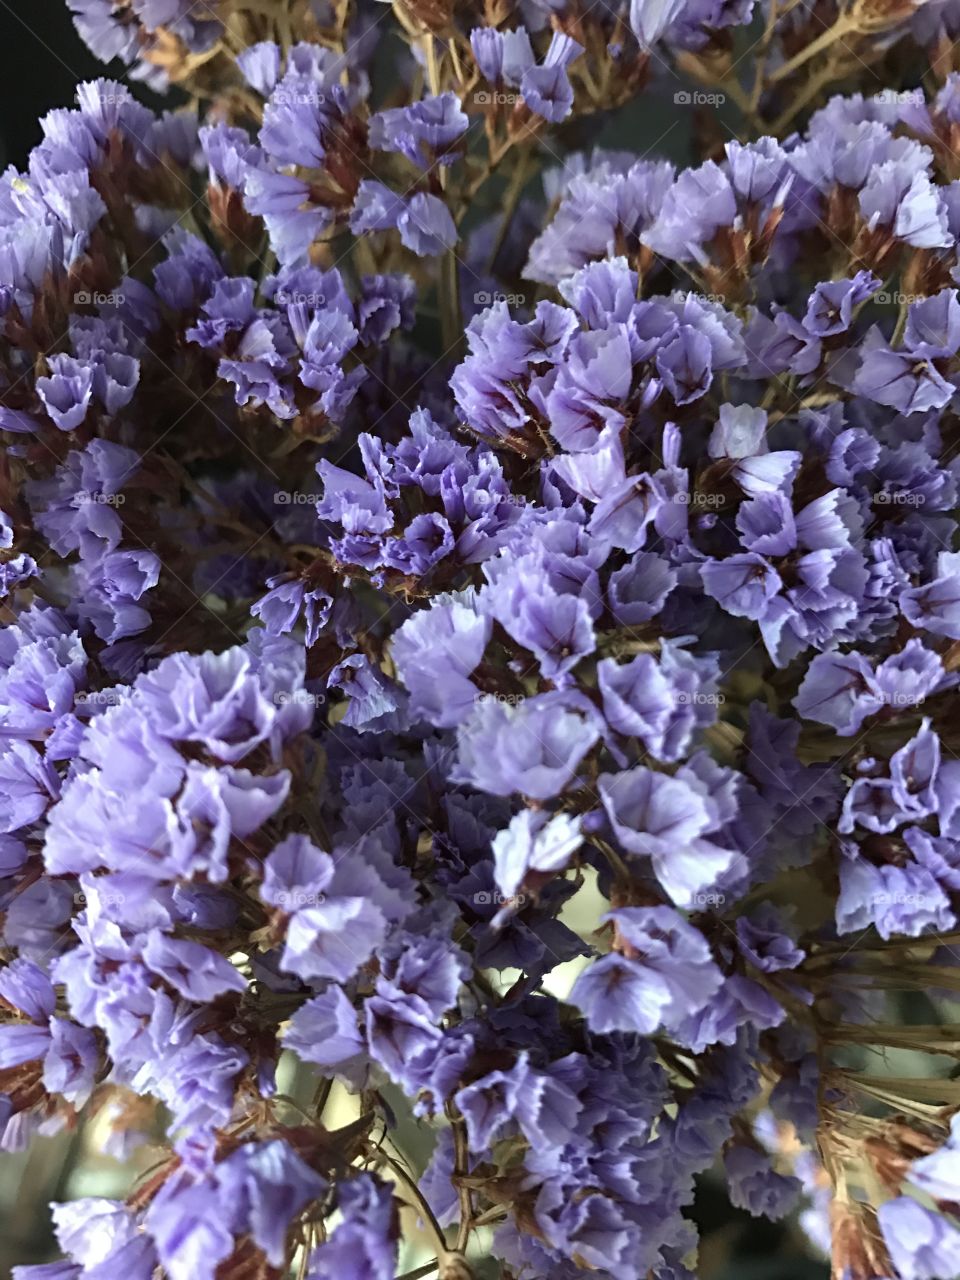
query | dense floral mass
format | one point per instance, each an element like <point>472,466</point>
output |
<point>481,630</point>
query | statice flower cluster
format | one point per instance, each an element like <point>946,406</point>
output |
<point>480,638</point>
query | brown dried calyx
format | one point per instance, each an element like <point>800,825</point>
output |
<point>893,1152</point>
<point>858,1251</point>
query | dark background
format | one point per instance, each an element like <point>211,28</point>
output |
<point>42,59</point>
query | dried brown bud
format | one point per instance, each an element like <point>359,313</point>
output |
<point>231,222</point>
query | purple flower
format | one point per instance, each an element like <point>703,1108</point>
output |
<point>903,380</point>
<point>895,900</point>
<point>686,365</point>
<point>426,227</point>
<point>831,306</point>
<point>324,1031</point>
<point>26,987</point>
<point>332,928</point>
<point>68,1052</point>
<point>555,626</point>
<point>900,197</point>
<point>190,1231</point>
<point>664,974</point>
<point>267,1185</point>
<point>908,677</point>
<point>764,942</point>
<point>700,200</point>
<point>743,584</point>
<point>365,1242</point>
<point>28,785</point>
<point>936,606</point>
<point>754,1186</point>
<point>71,1061</point>
<point>457,631</point>
<point>534,844</point>
<point>192,969</point>
<point>739,432</point>
<point>546,89</point>
<point>667,819</point>
<point>922,1244</point>
<point>424,222</point>
<point>532,749</point>
<point>662,703</point>
<point>281,608</point>
<point>401,1029</point>
<point>487,46</point>
<point>639,590</point>
<point>283,201</point>
<point>260,64</point>
<point>93,1231</point>
<point>839,690</point>
<point>425,129</point>
<point>649,19</point>
<point>66,393</point>
<point>613,202</point>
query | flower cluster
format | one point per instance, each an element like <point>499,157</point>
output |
<point>526,723</point>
